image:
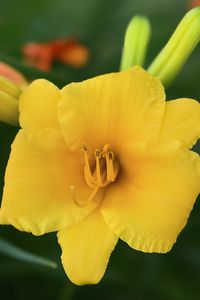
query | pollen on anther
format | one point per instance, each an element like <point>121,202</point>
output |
<point>111,155</point>
<point>97,153</point>
<point>85,147</point>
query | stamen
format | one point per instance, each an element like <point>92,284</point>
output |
<point>105,150</point>
<point>111,156</point>
<point>98,169</point>
<point>105,170</point>
<point>98,153</point>
<point>111,175</point>
<point>85,148</point>
<point>87,171</point>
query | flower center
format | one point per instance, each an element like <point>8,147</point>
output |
<point>105,169</point>
<point>100,169</point>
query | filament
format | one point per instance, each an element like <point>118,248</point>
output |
<point>87,171</point>
<point>110,167</point>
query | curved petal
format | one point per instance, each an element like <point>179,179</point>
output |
<point>150,206</point>
<point>86,249</point>
<point>182,121</point>
<point>38,106</point>
<point>112,108</point>
<point>37,194</point>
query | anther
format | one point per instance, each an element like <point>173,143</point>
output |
<point>111,156</point>
<point>87,170</point>
<point>100,176</point>
<point>97,153</point>
<point>98,168</point>
<point>110,167</point>
<point>85,148</point>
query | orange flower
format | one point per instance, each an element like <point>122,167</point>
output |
<point>67,51</point>
<point>194,3</point>
<point>38,55</point>
<point>71,52</point>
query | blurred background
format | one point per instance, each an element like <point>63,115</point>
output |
<point>97,27</point>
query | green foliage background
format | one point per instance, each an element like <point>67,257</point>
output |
<point>100,24</point>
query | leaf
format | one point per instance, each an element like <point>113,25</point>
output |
<point>11,250</point>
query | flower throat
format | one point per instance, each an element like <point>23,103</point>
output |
<point>100,169</point>
<point>105,170</point>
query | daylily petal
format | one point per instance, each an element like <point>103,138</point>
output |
<point>38,106</point>
<point>151,205</point>
<point>86,249</point>
<point>112,108</point>
<point>182,121</point>
<point>37,194</point>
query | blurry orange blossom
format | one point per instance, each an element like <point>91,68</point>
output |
<point>67,51</point>
<point>194,3</point>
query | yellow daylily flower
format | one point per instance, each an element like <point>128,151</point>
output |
<point>104,159</point>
